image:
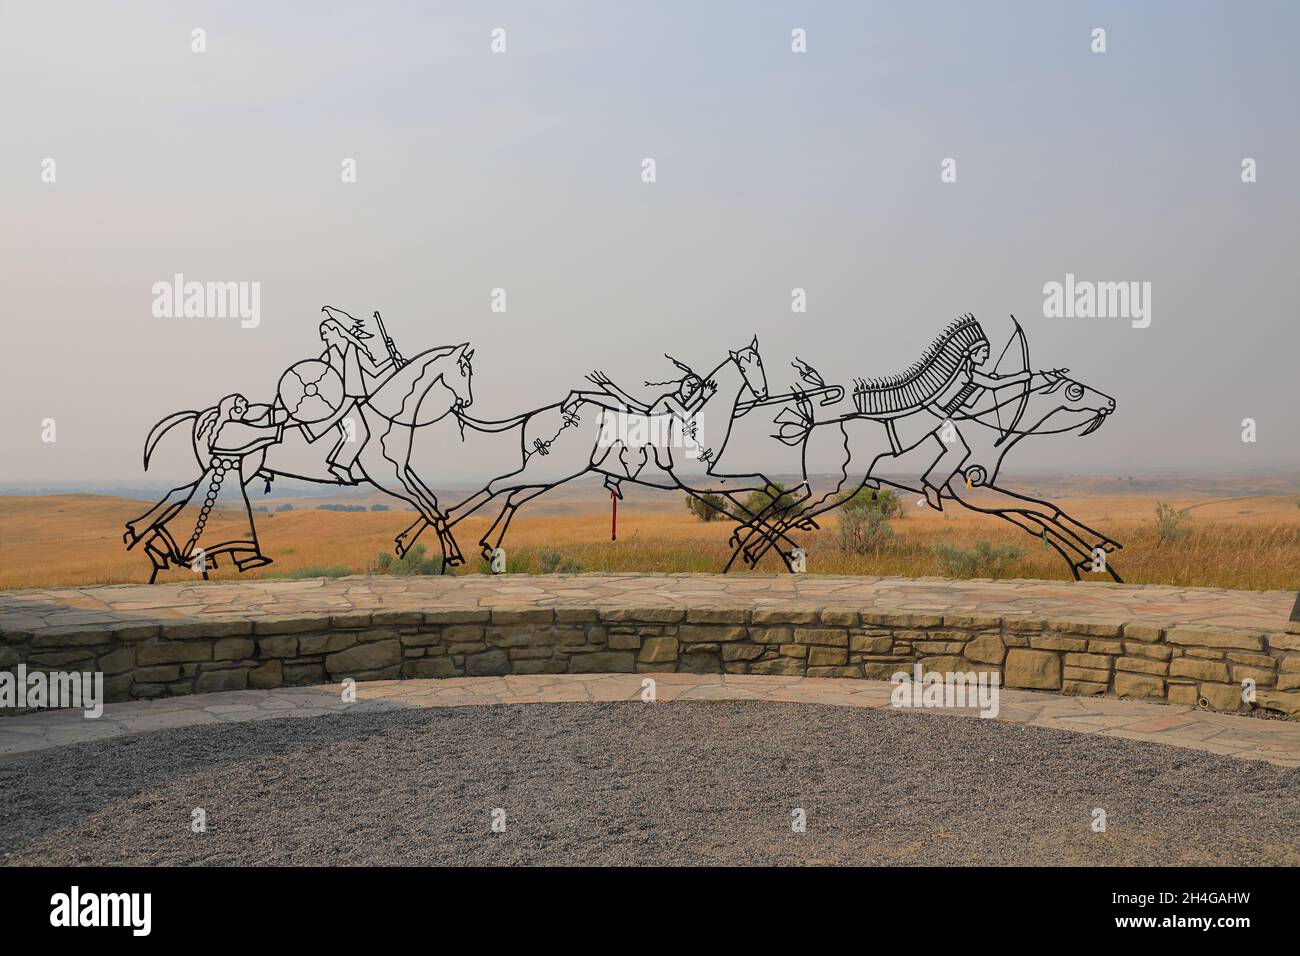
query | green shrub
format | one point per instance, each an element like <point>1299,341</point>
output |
<point>553,562</point>
<point>1171,524</point>
<point>984,560</point>
<point>885,502</point>
<point>413,562</point>
<point>864,520</point>
<point>707,507</point>
<point>760,500</point>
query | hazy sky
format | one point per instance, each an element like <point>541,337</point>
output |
<point>775,170</point>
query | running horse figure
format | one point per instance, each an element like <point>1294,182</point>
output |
<point>236,443</point>
<point>420,397</point>
<point>584,435</point>
<point>946,404</point>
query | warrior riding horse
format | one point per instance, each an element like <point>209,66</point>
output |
<point>416,396</point>
<point>411,418</point>
<point>557,443</point>
<point>900,423</point>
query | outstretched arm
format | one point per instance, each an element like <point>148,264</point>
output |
<point>242,438</point>
<point>989,380</point>
<point>372,367</point>
<point>600,378</point>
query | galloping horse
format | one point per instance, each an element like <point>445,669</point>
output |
<point>426,390</point>
<point>865,450</point>
<point>559,442</point>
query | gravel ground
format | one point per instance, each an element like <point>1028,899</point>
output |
<point>676,783</point>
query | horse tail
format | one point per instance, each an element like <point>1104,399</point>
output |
<point>161,428</point>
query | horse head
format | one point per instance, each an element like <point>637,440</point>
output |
<point>460,378</point>
<point>1069,405</point>
<point>428,386</point>
<point>750,364</point>
<point>1055,407</point>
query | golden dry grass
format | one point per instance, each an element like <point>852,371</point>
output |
<point>1249,543</point>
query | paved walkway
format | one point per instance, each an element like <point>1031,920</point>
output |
<point>1274,741</point>
<point>1084,602</point>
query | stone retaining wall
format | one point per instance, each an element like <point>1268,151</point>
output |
<point>1183,664</point>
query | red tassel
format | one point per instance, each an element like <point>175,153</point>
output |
<point>613,518</point>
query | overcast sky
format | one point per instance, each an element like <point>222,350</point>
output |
<point>775,170</point>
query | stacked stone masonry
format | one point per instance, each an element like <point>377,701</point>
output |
<point>1183,664</point>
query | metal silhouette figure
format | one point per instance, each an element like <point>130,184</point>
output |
<point>209,520</point>
<point>949,423</point>
<point>595,432</point>
<point>344,417</point>
<point>350,416</point>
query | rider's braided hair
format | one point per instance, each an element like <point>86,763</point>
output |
<point>690,373</point>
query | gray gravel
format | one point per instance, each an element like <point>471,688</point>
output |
<point>678,783</point>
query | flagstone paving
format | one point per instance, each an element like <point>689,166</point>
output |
<point>1084,602</point>
<point>1273,741</point>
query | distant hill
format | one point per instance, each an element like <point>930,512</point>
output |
<point>587,495</point>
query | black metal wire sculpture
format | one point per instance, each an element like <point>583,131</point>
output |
<point>348,417</point>
<point>945,402</point>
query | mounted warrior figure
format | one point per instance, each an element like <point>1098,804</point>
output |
<point>683,398</point>
<point>677,405</point>
<point>890,437</point>
<point>348,354</point>
<point>937,392</point>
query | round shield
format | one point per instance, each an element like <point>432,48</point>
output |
<point>311,391</point>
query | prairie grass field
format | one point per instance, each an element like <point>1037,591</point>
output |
<point>1244,542</point>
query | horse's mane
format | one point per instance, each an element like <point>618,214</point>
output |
<point>398,397</point>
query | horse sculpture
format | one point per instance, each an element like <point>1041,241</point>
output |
<point>411,416</point>
<point>866,446</point>
<point>559,442</point>
<point>429,389</point>
<point>266,442</point>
